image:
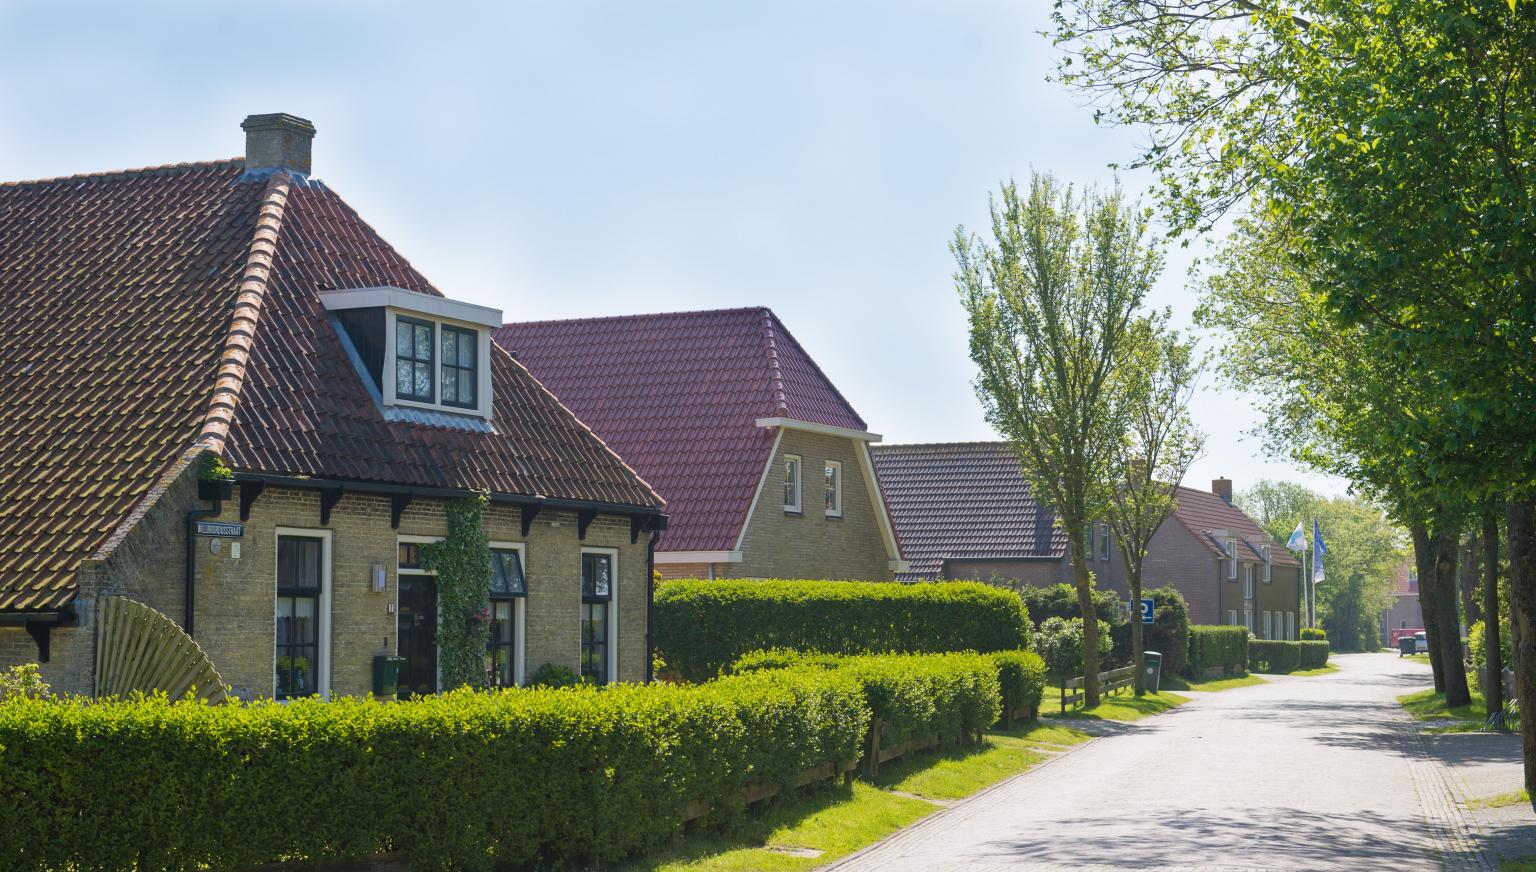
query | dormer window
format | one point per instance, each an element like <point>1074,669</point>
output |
<point>418,351</point>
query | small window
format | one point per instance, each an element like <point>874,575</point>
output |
<point>834,481</point>
<point>1269,565</point>
<point>1248,619</point>
<point>1268,629</point>
<point>1247,581</point>
<point>508,587</point>
<point>1232,559</point>
<point>1290,625</point>
<point>413,359</point>
<point>596,618</point>
<point>298,617</point>
<point>1231,617</point>
<point>507,573</point>
<point>1103,541</point>
<point>792,483</point>
<point>410,555</point>
<point>461,352</point>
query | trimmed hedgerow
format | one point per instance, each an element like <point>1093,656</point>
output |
<point>1020,679</point>
<point>1213,646</point>
<point>1169,634</point>
<point>1275,656</point>
<point>463,781</point>
<point>701,627</point>
<point>1313,634</point>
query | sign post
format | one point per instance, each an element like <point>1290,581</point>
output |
<point>1148,610</point>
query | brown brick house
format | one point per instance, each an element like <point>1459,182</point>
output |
<point>964,510</point>
<point>764,465</point>
<point>241,309</point>
<point>1405,613</point>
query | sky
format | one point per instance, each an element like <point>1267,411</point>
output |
<point>564,160</point>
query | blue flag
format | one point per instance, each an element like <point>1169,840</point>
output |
<point>1318,550</point>
<point>1298,540</point>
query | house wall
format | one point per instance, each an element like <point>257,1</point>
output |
<point>1175,557</point>
<point>1404,613</point>
<point>810,544</point>
<point>235,597</point>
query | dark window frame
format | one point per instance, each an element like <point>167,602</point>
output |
<point>430,362</point>
<point>509,644</point>
<point>460,334</point>
<point>597,603</point>
<point>315,594</point>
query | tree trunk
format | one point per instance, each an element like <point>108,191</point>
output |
<point>1521,516</point>
<point>1448,618</point>
<point>1492,654</point>
<point>1138,642</point>
<point>1471,560</point>
<point>1084,579</point>
<point>1424,561</point>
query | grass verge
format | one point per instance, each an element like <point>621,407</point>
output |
<point>1500,801</point>
<point>817,827</point>
<point>1426,705</point>
<point>1207,685</point>
<point>1321,670</point>
<point>1120,706</point>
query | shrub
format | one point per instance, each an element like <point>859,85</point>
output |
<point>1169,634</point>
<point>1276,656</point>
<point>702,626</point>
<point>1314,654</point>
<point>555,675</point>
<point>1477,645</point>
<point>947,695</point>
<point>1313,633</point>
<point>1217,647</point>
<point>1059,642</point>
<point>21,681</point>
<point>1020,679</point>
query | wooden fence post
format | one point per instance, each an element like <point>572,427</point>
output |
<point>872,764</point>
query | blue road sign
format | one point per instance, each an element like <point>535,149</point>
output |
<point>1148,611</point>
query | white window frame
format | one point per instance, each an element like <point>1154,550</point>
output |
<point>836,468</point>
<point>1231,559</point>
<point>1248,620</point>
<point>1232,618</point>
<point>1290,626</point>
<point>323,672</point>
<point>519,609</point>
<point>1268,626</point>
<point>798,506</point>
<point>1269,564</point>
<point>1247,581</point>
<point>482,407</point>
<point>1104,549</point>
<point>613,610</point>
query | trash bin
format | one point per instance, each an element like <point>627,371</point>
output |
<point>1406,645</point>
<point>1151,669</point>
<point>386,674</point>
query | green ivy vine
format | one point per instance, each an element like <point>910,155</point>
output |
<point>463,593</point>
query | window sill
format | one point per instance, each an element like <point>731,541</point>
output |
<point>832,517</point>
<point>793,513</point>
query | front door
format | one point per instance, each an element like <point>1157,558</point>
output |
<point>418,635</point>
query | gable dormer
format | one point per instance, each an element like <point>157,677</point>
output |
<point>420,351</point>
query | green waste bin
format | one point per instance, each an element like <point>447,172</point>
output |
<point>1151,669</point>
<point>386,674</point>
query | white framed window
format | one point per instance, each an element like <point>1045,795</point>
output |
<point>504,665</point>
<point>792,483</point>
<point>1231,617</point>
<point>1269,565</point>
<point>1290,626</point>
<point>833,473</point>
<point>1103,541</point>
<point>1232,559</point>
<point>1268,627</point>
<point>301,651</point>
<point>1247,581</point>
<point>600,614</point>
<point>1248,619</point>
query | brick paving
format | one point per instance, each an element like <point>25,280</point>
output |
<point>1299,773</point>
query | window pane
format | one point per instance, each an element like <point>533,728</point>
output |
<point>596,571</point>
<point>450,385</point>
<point>402,339</point>
<point>466,386</point>
<point>450,345</point>
<point>410,555</point>
<point>467,348</point>
<point>423,386</point>
<point>507,573</point>
<point>402,376</point>
<point>423,342</point>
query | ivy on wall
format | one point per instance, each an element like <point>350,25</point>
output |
<point>463,569</point>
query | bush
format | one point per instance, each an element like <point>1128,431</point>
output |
<point>1217,647</point>
<point>948,695</point>
<point>1169,634</point>
<point>1313,633</point>
<point>1060,601</point>
<point>25,680</point>
<point>702,626</point>
<point>555,675</point>
<point>1477,645</point>
<point>1059,643</point>
<point>1020,679</point>
<point>1275,656</point>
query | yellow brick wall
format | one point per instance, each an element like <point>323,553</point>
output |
<point>811,544</point>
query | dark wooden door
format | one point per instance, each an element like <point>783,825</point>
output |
<point>418,634</point>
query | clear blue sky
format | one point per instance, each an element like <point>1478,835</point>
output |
<point>574,159</point>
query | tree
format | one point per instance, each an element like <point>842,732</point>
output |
<point>1050,304</point>
<point>1278,506</point>
<point>1160,375</point>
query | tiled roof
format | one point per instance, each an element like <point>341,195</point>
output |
<point>1203,513</point>
<point>678,396</point>
<point>963,500</point>
<point>129,301</point>
<point>1404,582</point>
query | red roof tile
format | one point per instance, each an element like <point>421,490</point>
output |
<point>129,301</point>
<point>678,396</point>
<point>1203,513</point>
<point>962,500</point>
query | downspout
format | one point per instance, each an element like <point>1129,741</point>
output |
<point>192,516</point>
<point>650,607</point>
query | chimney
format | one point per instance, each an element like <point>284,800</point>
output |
<point>1222,487</point>
<point>278,141</point>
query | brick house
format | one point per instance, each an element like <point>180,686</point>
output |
<point>241,309</point>
<point>1405,613</point>
<point>765,466</point>
<point>964,510</point>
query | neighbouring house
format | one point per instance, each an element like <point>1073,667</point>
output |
<point>965,510</point>
<point>1405,613</point>
<point>239,309</point>
<point>765,466</point>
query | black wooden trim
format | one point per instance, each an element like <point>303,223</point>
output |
<point>374,487</point>
<point>39,631</point>
<point>249,492</point>
<point>530,511</point>
<point>584,520</point>
<point>328,500</point>
<point>397,505</point>
<point>638,524</point>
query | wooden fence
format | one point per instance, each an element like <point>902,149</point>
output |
<point>1109,682</point>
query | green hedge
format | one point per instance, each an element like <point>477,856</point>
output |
<point>1221,647</point>
<point>1312,634</point>
<point>1274,656</point>
<point>1020,679</point>
<point>1169,634</point>
<point>701,627</point>
<point>462,781</point>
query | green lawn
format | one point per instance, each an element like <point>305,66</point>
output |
<point>1119,706</point>
<point>817,827</point>
<point>1418,658</point>
<point>1211,684</point>
<point>1426,705</point>
<point>1321,670</point>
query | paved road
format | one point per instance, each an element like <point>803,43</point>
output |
<point>1299,773</point>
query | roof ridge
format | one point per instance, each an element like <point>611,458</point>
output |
<point>635,316</point>
<point>775,371</point>
<point>246,315</point>
<point>816,367</point>
<point>979,443</point>
<point>110,175</point>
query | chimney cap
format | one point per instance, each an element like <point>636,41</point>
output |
<point>278,141</point>
<point>1222,487</point>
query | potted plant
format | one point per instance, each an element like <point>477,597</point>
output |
<point>215,481</point>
